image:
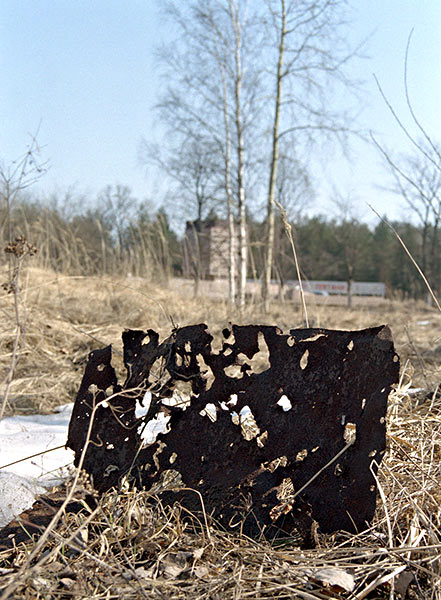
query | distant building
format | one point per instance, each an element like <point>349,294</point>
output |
<point>206,249</point>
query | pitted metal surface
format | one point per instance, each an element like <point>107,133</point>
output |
<point>267,414</point>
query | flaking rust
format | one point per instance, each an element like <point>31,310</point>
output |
<point>266,417</point>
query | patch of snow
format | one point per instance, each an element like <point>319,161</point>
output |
<point>23,436</point>
<point>16,495</point>
<point>423,323</point>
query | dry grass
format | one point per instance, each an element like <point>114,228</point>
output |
<point>131,546</point>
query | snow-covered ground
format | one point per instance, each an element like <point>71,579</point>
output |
<point>23,436</point>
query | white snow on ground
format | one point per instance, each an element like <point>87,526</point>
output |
<point>16,495</point>
<point>22,436</point>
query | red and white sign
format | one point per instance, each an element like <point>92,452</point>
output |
<point>359,288</point>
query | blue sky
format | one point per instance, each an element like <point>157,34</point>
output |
<point>84,72</point>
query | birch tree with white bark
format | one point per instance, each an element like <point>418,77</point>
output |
<point>209,97</point>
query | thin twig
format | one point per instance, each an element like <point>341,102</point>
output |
<point>32,456</point>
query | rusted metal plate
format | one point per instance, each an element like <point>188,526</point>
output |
<point>267,415</point>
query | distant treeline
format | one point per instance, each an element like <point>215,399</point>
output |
<point>343,250</point>
<point>120,235</point>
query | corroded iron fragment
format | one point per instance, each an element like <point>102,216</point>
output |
<point>280,431</point>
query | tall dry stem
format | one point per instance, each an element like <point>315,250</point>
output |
<point>17,251</point>
<point>414,262</point>
<point>288,229</point>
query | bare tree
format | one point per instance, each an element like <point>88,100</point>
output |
<point>418,182</point>
<point>294,185</point>
<point>21,174</point>
<point>192,165</point>
<point>229,54</point>
<point>238,74</point>
<point>227,181</point>
<point>118,206</point>
<point>417,178</point>
<point>210,97</point>
<point>309,54</point>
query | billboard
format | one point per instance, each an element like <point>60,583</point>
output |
<point>359,288</point>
